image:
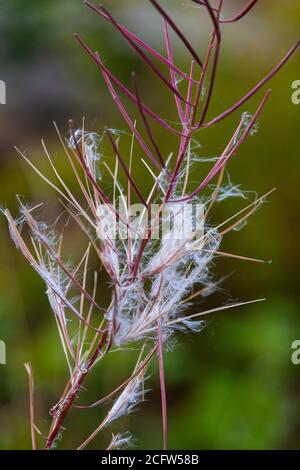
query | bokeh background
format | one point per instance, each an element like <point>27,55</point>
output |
<point>233,386</point>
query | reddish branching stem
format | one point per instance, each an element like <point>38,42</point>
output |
<point>192,117</point>
<point>144,57</point>
<point>256,88</point>
<point>74,389</point>
<point>126,171</point>
<point>179,33</point>
<point>241,14</point>
<point>145,122</point>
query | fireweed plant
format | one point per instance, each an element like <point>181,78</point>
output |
<point>152,281</point>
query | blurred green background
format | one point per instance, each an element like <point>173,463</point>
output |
<point>233,386</point>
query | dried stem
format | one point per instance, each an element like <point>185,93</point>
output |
<point>152,280</point>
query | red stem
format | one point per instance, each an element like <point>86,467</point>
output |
<point>141,43</point>
<point>143,56</point>
<point>178,32</point>
<point>69,400</point>
<point>256,88</point>
<point>241,14</point>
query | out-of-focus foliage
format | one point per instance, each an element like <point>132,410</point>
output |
<point>232,386</point>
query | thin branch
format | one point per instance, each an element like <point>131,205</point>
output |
<point>226,156</point>
<point>123,165</point>
<point>146,59</point>
<point>114,79</point>
<point>241,14</point>
<point>141,43</point>
<point>129,122</point>
<point>29,371</point>
<point>179,33</point>
<point>217,32</point>
<point>147,127</point>
<point>255,89</point>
